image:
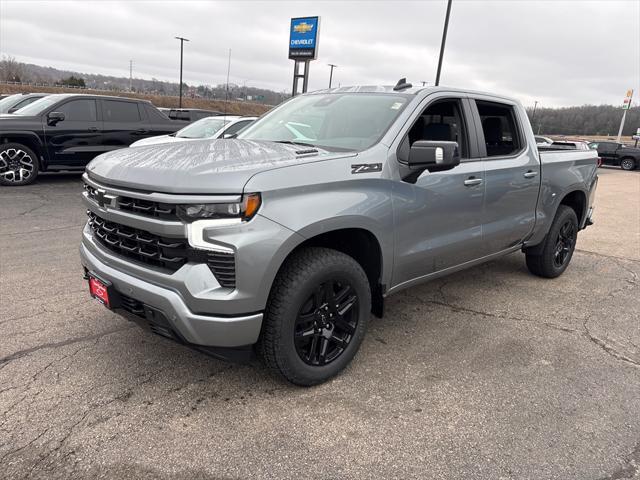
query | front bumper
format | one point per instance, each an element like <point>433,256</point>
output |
<point>195,329</point>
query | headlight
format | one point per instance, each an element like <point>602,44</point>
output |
<point>244,210</point>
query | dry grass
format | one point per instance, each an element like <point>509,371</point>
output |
<point>235,108</point>
<point>593,138</point>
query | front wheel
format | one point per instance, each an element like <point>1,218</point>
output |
<point>316,316</point>
<point>628,164</point>
<point>558,247</point>
<point>18,165</point>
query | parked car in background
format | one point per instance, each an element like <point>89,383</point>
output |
<point>540,140</point>
<point>289,236</point>
<point>569,145</point>
<point>66,131</point>
<point>190,114</point>
<point>13,103</point>
<point>209,127</point>
<point>618,154</point>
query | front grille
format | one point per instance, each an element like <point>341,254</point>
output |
<point>140,245</point>
<point>165,211</point>
<point>167,253</point>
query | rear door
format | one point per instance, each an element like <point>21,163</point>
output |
<point>511,173</point>
<point>76,140</point>
<point>607,152</point>
<point>438,219</point>
<point>124,122</point>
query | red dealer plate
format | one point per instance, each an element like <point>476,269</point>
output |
<point>99,290</point>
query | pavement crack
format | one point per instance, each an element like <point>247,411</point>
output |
<point>608,348</point>
<point>21,353</point>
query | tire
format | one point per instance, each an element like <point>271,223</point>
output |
<point>18,165</point>
<point>555,255</point>
<point>628,164</point>
<point>305,338</point>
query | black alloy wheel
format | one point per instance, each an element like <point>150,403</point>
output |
<point>564,244</point>
<point>326,323</point>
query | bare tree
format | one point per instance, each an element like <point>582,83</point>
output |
<point>11,70</point>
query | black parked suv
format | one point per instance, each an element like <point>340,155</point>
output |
<point>613,153</point>
<point>66,131</point>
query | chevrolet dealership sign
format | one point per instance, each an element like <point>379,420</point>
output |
<point>303,38</point>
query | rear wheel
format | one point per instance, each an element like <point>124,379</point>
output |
<point>554,257</point>
<point>628,164</point>
<point>18,165</point>
<point>316,316</point>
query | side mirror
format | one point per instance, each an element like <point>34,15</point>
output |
<point>229,135</point>
<point>434,156</point>
<point>12,109</point>
<point>55,117</point>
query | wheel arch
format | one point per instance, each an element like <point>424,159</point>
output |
<point>360,243</point>
<point>29,140</point>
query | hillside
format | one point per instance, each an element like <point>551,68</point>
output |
<point>232,107</point>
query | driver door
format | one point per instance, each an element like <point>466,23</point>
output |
<point>76,140</point>
<point>438,219</point>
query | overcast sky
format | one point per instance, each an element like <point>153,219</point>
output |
<point>557,52</point>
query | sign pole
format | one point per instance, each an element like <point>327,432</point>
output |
<point>625,106</point>
<point>624,115</point>
<point>303,47</point>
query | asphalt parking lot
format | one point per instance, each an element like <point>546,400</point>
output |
<point>487,374</point>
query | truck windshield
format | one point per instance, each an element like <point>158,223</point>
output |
<point>203,128</point>
<point>39,106</point>
<point>332,121</point>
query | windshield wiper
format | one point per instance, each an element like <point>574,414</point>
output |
<point>292,142</point>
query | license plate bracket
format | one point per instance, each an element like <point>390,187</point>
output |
<point>102,290</point>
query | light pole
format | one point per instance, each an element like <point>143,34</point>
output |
<point>182,40</point>
<point>331,72</point>
<point>444,40</point>
<point>533,115</point>
<point>130,74</point>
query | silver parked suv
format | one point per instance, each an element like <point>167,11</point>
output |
<point>285,239</point>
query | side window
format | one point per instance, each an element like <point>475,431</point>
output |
<point>81,110</point>
<point>25,102</point>
<point>441,120</point>
<point>117,111</point>
<point>236,127</point>
<point>501,134</point>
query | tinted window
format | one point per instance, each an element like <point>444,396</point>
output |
<point>81,110</point>
<point>236,127</point>
<point>116,111</point>
<point>500,128</point>
<point>26,102</point>
<point>441,121</point>
<point>607,146</point>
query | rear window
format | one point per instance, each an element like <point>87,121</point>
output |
<point>116,111</point>
<point>500,129</point>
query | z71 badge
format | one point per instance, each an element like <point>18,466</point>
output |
<point>366,168</point>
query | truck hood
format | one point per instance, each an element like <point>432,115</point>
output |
<point>204,166</point>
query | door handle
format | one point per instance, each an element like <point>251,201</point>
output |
<point>142,130</point>
<point>530,174</point>
<point>93,129</point>
<point>471,181</point>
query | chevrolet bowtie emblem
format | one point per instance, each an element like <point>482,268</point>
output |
<point>303,27</point>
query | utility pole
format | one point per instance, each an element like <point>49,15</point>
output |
<point>228,71</point>
<point>331,73</point>
<point>182,40</point>
<point>444,41</point>
<point>130,74</point>
<point>533,115</point>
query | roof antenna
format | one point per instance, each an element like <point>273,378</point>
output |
<point>402,85</point>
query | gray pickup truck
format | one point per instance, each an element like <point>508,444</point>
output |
<point>284,240</point>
